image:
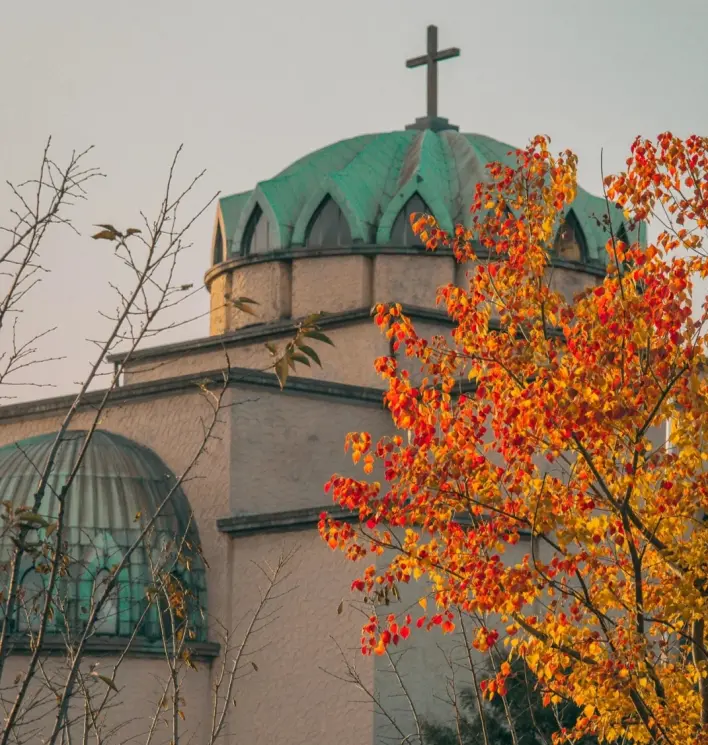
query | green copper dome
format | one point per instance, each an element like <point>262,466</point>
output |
<point>362,185</point>
<point>118,488</point>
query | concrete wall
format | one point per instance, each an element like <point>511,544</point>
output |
<point>269,285</point>
<point>297,697</point>
<point>349,361</point>
<point>411,280</point>
<point>127,714</point>
<point>284,448</point>
<point>332,284</point>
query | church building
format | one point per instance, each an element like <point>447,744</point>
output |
<point>329,233</point>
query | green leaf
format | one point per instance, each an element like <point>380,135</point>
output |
<point>319,336</point>
<point>297,357</point>
<point>281,371</point>
<point>248,300</point>
<point>132,231</point>
<point>310,352</point>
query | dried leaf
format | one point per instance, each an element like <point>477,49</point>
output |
<point>255,667</point>
<point>106,235</point>
<point>340,607</point>
<point>32,518</point>
<point>106,680</point>
<point>281,371</point>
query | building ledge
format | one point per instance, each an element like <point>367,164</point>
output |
<point>262,332</point>
<point>98,646</point>
<point>263,522</point>
<point>301,519</point>
<point>193,383</point>
<point>366,249</point>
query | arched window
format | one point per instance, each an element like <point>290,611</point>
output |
<point>30,603</point>
<point>256,237</point>
<point>569,243</point>
<point>621,235</point>
<point>402,233</point>
<point>106,622</point>
<point>218,246</point>
<point>99,565</point>
<point>328,227</point>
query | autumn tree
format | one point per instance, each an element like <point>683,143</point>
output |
<point>521,719</point>
<point>582,425</point>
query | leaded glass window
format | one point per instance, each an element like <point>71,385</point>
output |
<point>569,243</point>
<point>218,245</point>
<point>402,233</point>
<point>328,227</point>
<point>256,237</point>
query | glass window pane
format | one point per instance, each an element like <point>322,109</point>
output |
<point>569,241</point>
<point>218,246</point>
<point>256,238</point>
<point>31,604</point>
<point>402,233</point>
<point>328,227</point>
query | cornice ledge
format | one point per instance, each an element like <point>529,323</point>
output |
<point>261,522</point>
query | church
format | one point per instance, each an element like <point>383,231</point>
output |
<point>329,233</point>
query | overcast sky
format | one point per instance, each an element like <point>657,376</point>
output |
<point>248,87</point>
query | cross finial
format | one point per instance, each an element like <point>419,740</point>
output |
<point>431,59</point>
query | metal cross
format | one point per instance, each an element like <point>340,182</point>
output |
<point>431,59</point>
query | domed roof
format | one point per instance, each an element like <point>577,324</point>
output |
<point>118,488</point>
<point>371,179</point>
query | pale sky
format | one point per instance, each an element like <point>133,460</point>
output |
<point>249,87</point>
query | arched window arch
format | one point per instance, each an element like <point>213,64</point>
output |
<point>218,246</point>
<point>256,237</point>
<point>328,226</point>
<point>31,603</point>
<point>569,243</point>
<point>402,233</point>
<point>114,616</point>
<point>621,235</point>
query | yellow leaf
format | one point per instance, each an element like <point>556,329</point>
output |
<point>423,603</point>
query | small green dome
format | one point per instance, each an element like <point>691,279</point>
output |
<point>118,488</point>
<point>368,183</point>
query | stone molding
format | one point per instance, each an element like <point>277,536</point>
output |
<point>306,517</point>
